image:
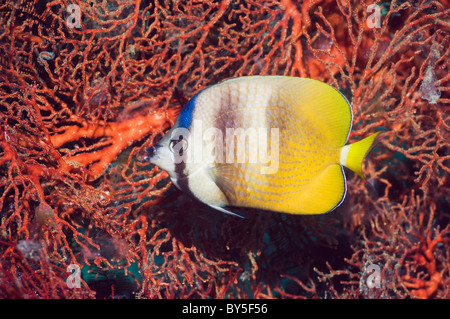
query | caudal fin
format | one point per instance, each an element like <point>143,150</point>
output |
<point>353,155</point>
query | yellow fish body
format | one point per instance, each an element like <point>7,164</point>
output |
<point>269,142</point>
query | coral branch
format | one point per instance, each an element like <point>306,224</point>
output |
<point>83,92</point>
<point>115,137</point>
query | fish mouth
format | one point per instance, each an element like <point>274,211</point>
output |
<point>148,154</point>
<point>151,151</point>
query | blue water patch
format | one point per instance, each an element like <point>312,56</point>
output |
<point>125,283</point>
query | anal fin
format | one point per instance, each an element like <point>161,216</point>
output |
<point>325,192</point>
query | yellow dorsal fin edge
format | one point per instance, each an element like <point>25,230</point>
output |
<point>353,155</point>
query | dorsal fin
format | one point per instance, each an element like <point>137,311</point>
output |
<point>322,104</point>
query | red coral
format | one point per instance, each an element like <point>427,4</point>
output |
<point>79,103</point>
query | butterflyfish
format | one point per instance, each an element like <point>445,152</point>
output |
<point>274,143</point>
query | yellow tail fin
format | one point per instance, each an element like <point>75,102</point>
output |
<point>353,155</point>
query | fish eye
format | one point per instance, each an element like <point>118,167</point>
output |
<point>178,146</point>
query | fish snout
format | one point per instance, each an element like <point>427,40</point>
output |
<point>152,152</point>
<point>148,154</point>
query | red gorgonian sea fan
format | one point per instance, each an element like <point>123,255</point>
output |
<point>86,85</point>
